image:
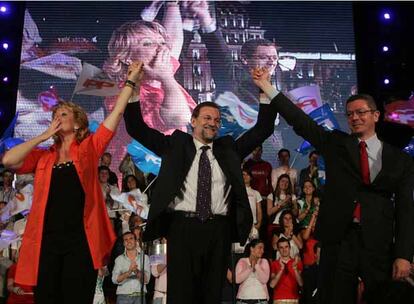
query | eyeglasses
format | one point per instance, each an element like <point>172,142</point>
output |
<point>359,112</point>
<point>265,57</point>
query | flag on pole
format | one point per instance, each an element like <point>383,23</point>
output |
<point>400,111</point>
<point>134,201</point>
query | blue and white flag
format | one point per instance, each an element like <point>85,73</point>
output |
<point>146,160</point>
<point>323,116</point>
<point>307,98</point>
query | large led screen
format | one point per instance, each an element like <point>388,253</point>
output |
<point>196,51</point>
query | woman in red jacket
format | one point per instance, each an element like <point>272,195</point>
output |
<point>68,234</point>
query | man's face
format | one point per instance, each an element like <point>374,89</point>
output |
<point>246,178</point>
<point>257,153</point>
<point>313,159</point>
<point>7,178</point>
<point>103,176</point>
<point>284,158</point>
<point>264,56</point>
<point>206,125</point>
<point>106,160</point>
<point>361,119</point>
<point>129,242</point>
<point>284,249</point>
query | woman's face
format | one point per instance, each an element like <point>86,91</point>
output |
<point>257,250</point>
<point>67,119</point>
<point>283,183</point>
<point>308,188</point>
<point>287,220</point>
<point>246,178</point>
<point>147,46</point>
<point>131,183</point>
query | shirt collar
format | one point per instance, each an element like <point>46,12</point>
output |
<point>372,142</point>
<point>198,144</point>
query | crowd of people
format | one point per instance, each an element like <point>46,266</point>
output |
<point>281,247</point>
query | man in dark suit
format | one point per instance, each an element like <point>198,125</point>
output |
<point>199,201</point>
<point>366,216</point>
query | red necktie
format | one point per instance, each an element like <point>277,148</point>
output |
<point>363,160</point>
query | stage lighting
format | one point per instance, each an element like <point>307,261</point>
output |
<point>3,9</point>
<point>386,81</point>
<point>385,48</point>
<point>5,45</point>
<point>387,16</point>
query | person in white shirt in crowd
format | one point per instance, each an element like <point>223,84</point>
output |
<point>281,199</point>
<point>284,168</point>
<point>252,273</point>
<point>111,205</point>
<point>128,273</point>
<point>159,271</point>
<point>289,230</point>
<point>7,192</point>
<point>254,199</point>
<point>18,228</point>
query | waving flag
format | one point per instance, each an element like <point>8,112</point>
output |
<point>93,81</point>
<point>323,117</point>
<point>146,160</point>
<point>135,201</point>
<point>236,116</point>
<point>307,98</point>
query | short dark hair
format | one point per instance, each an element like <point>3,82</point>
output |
<point>197,109</point>
<point>103,168</point>
<point>248,171</point>
<point>128,232</point>
<point>106,154</point>
<point>368,98</point>
<point>282,240</point>
<point>283,150</point>
<point>313,152</point>
<point>250,47</point>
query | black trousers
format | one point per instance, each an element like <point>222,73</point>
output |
<point>341,265</point>
<point>66,273</point>
<point>197,259</point>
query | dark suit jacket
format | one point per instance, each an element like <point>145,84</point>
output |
<point>178,151</point>
<point>387,207</point>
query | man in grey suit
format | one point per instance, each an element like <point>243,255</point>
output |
<point>366,216</point>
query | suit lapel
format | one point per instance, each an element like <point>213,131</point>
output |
<point>353,150</point>
<point>190,152</point>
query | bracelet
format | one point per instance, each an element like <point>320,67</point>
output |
<point>130,83</point>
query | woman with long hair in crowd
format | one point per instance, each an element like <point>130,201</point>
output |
<point>289,229</point>
<point>279,200</point>
<point>68,234</point>
<point>252,273</point>
<point>307,203</point>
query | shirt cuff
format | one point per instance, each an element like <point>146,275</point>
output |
<point>209,28</point>
<point>272,93</point>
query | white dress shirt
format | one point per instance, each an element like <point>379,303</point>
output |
<point>186,201</point>
<point>374,151</point>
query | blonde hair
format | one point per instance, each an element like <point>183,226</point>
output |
<point>122,43</point>
<point>80,117</point>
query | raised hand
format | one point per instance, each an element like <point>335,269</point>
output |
<point>199,10</point>
<point>161,68</point>
<point>261,76</point>
<point>54,127</point>
<point>135,72</point>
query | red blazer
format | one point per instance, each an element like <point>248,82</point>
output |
<point>98,229</point>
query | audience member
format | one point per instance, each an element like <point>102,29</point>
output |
<point>255,205</point>
<point>284,168</point>
<point>129,274</point>
<point>288,229</point>
<point>106,160</point>
<point>286,278</point>
<point>252,273</point>
<point>308,203</point>
<point>311,171</point>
